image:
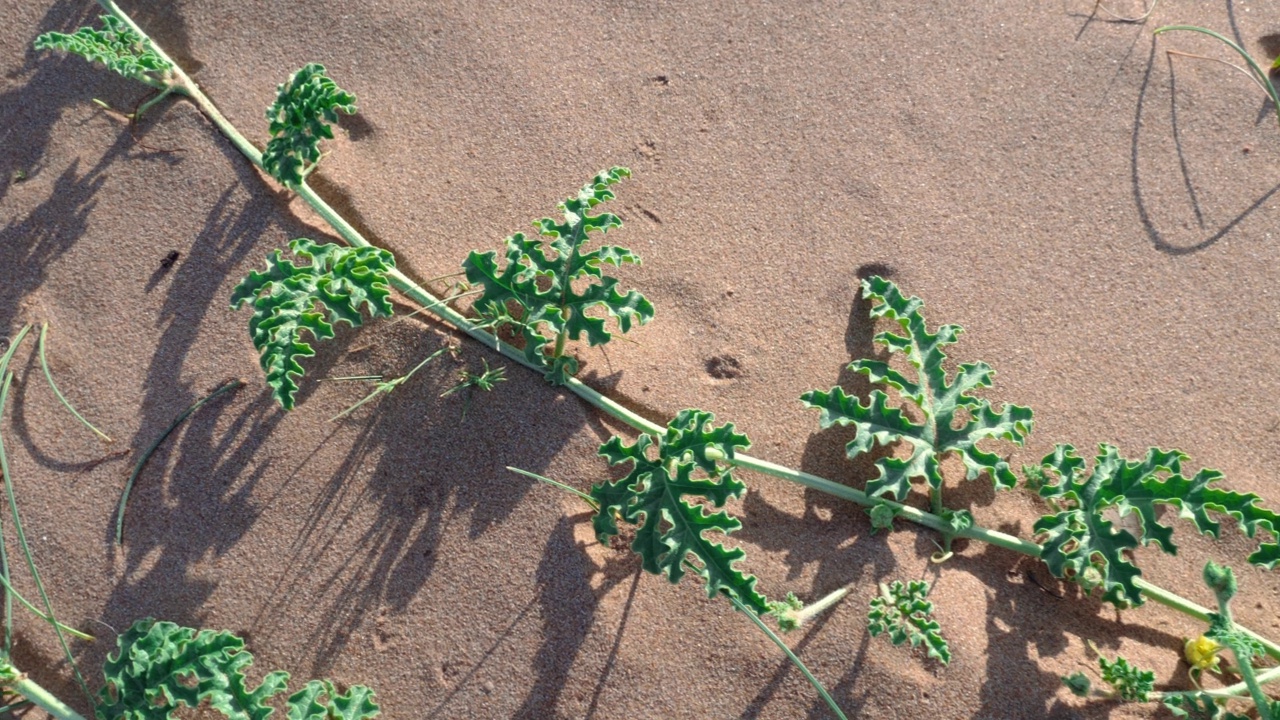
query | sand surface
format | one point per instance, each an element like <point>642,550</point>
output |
<point>1097,215</point>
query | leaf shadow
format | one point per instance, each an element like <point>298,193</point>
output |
<point>1145,214</point>
<point>1023,612</point>
<point>425,467</point>
<point>205,474</point>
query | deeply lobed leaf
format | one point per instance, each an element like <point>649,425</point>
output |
<point>670,530</point>
<point>1129,682</point>
<point>285,298</point>
<point>1081,544</point>
<point>953,420</point>
<point>160,667</point>
<point>305,105</point>
<point>903,612</point>
<point>116,45</point>
<point>539,277</point>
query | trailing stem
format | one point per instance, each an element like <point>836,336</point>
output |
<point>184,85</point>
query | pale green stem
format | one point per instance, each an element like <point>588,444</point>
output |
<point>430,302</point>
<point>808,612</point>
<point>1243,660</point>
<point>595,506</point>
<point>1231,692</point>
<point>65,628</point>
<point>813,680</point>
<point>22,539</point>
<point>38,695</point>
<point>1259,74</point>
<point>44,329</point>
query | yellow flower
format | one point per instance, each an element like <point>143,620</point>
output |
<point>1202,653</point>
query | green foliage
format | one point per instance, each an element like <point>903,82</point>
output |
<point>116,45</point>
<point>903,612</point>
<point>339,280</point>
<point>1078,683</point>
<point>1081,544</point>
<point>953,420</point>
<point>669,535</point>
<point>161,666</point>
<point>300,117</point>
<point>882,515</point>
<point>1128,682</point>
<point>552,306</point>
<point>1198,706</point>
<point>786,612</point>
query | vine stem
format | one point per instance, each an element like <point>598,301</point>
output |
<point>404,284</point>
<point>18,682</point>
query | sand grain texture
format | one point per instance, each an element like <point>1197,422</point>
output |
<point>1099,218</point>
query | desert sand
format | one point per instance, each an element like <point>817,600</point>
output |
<point>1097,215</point>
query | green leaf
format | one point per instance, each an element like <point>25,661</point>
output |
<point>339,280</point>
<point>1198,706</point>
<point>300,117</point>
<point>903,612</point>
<point>1081,544</point>
<point>1078,683</point>
<point>953,420</point>
<point>670,530</point>
<point>1128,682</point>
<point>355,704</point>
<point>539,277</point>
<point>116,45</point>
<point>161,667</point>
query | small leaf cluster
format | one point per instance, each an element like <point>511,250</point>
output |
<point>116,45</point>
<point>1128,681</point>
<point>161,667</point>
<point>953,420</point>
<point>300,117</point>
<point>285,298</point>
<point>903,612</point>
<point>670,535</point>
<point>554,283</point>
<point>1081,544</point>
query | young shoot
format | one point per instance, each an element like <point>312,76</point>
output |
<point>903,612</point>
<point>792,613</point>
<point>386,387</point>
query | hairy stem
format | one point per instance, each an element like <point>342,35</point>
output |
<point>17,681</point>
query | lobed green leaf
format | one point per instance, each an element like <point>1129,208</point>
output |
<point>305,104</point>
<point>285,298</point>
<point>160,667</point>
<point>1198,706</point>
<point>903,612</point>
<point>1129,682</point>
<point>1081,544</point>
<point>670,530</point>
<point>953,420</point>
<point>539,278</point>
<point>116,46</point>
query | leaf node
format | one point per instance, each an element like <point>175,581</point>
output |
<point>670,529</point>
<point>300,117</point>
<point>339,280</point>
<point>544,279</point>
<point>116,46</point>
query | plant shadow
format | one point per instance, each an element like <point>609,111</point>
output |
<point>1211,235</point>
